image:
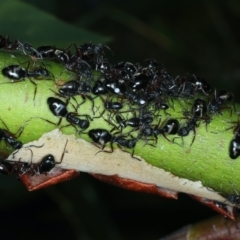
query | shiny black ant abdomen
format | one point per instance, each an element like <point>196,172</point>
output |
<point>234,148</point>
<point>14,72</point>
<point>100,136</point>
<point>57,107</point>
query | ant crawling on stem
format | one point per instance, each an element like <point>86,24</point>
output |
<point>17,73</point>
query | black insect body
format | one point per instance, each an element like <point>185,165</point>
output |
<point>14,72</point>
<point>225,96</point>
<point>200,84</point>
<point>120,121</point>
<point>113,105</point>
<point>171,126</point>
<point>147,131</point>
<point>46,164</point>
<point>218,102</point>
<point>90,51</point>
<point>183,131</point>
<point>128,143</point>
<point>199,108</point>
<point>139,98</point>
<point>62,56</point>
<point>100,136</point>
<point>186,89</point>
<point>103,66</point>
<point>46,51</point>
<point>140,81</point>
<point>191,125</point>
<point>70,88</point>
<point>81,123</point>
<point>234,148</point>
<point>57,107</point>
<point>53,52</point>
<point>160,105</point>
<point>79,66</point>
<point>39,72</point>
<point>133,122</point>
<point>27,49</point>
<point>126,69</point>
<point>99,88</point>
<point>10,139</point>
<point>152,67</point>
<point>145,116</point>
<point>9,45</point>
<point>214,106</point>
<point>75,87</point>
<point>117,87</point>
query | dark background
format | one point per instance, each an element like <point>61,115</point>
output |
<point>200,37</point>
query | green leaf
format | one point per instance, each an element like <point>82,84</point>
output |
<point>27,23</point>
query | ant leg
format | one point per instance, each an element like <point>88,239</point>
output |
<point>35,89</point>
<point>194,132</point>
<point>102,150</point>
<point>63,153</point>
<point>56,124</point>
<point>4,124</point>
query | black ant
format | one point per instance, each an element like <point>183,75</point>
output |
<point>218,102</point>
<point>90,51</point>
<point>59,109</point>
<point>200,84</point>
<point>191,125</point>
<point>52,52</point>
<point>102,137</point>
<point>126,69</point>
<point>47,163</point>
<point>169,126</point>
<point>99,88</point>
<point>77,87</point>
<point>7,44</point>
<point>10,138</point>
<point>17,73</point>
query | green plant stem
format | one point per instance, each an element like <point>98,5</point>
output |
<point>206,160</point>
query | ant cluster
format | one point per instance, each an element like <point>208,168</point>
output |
<point>46,164</point>
<point>135,98</point>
